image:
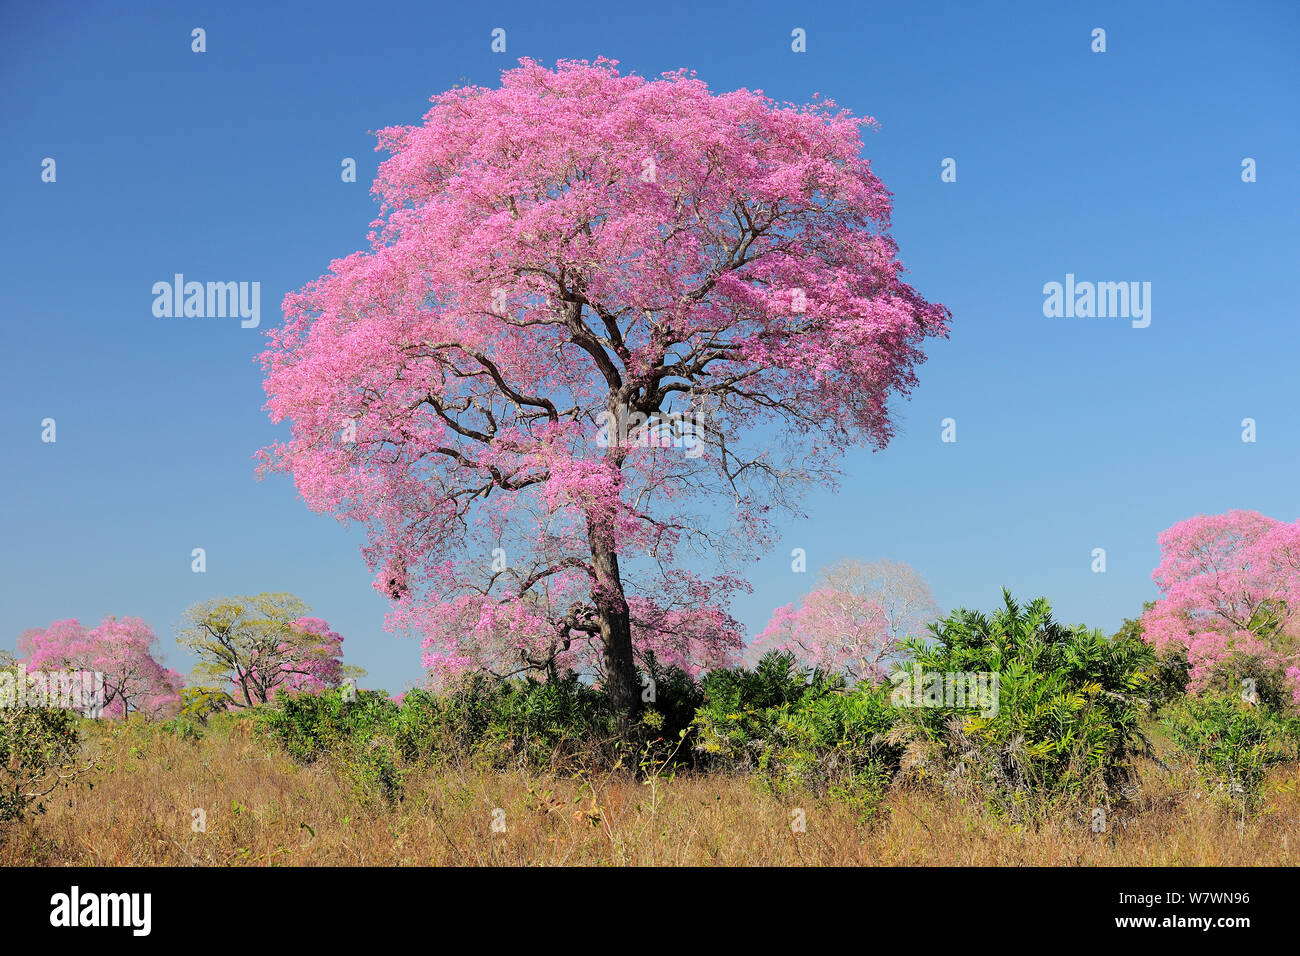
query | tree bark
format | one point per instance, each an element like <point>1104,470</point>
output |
<point>621,682</point>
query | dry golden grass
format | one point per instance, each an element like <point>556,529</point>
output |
<point>262,809</point>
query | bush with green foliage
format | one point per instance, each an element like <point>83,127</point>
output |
<point>186,728</point>
<point>1167,673</point>
<point>798,727</point>
<point>1067,725</point>
<point>354,730</point>
<point>310,725</point>
<point>1267,678</point>
<point>1232,742</point>
<point>38,750</point>
<point>560,724</point>
<point>553,724</point>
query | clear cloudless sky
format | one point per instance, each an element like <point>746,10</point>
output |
<point>1072,433</point>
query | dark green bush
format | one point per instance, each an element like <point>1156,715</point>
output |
<point>1267,679</point>
<point>186,728</point>
<point>311,725</point>
<point>1067,725</point>
<point>798,728</point>
<point>38,748</point>
<point>502,723</point>
<point>677,696</point>
<point>559,724</point>
<point>353,731</point>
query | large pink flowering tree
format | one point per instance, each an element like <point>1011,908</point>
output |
<point>1229,594</point>
<point>595,307</point>
<point>122,649</point>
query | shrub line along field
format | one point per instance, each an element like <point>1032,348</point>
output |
<point>1094,754</point>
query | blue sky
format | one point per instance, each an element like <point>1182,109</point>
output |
<point>1072,433</point>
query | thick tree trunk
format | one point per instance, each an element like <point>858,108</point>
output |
<point>621,682</point>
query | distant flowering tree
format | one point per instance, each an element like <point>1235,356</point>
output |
<point>1229,597</point>
<point>594,307</point>
<point>902,594</point>
<point>830,629</point>
<point>252,647</point>
<point>122,649</point>
<point>854,621</point>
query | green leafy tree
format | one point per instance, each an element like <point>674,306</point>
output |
<point>250,647</point>
<point>200,703</point>
<point>1169,669</point>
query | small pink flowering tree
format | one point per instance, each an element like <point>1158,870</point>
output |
<point>1229,596</point>
<point>594,307</point>
<point>122,649</point>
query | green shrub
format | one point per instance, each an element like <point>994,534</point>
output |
<point>554,724</point>
<point>351,731</point>
<point>559,724</point>
<point>1232,743</point>
<point>38,748</point>
<point>1067,723</point>
<point>186,728</point>
<point>311,725</point>
<point>1267,678</point>
<point>670,715</point>
<point>798,728</point>
<point>1169,676</point>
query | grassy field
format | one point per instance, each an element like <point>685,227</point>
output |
<point>136,809</point>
